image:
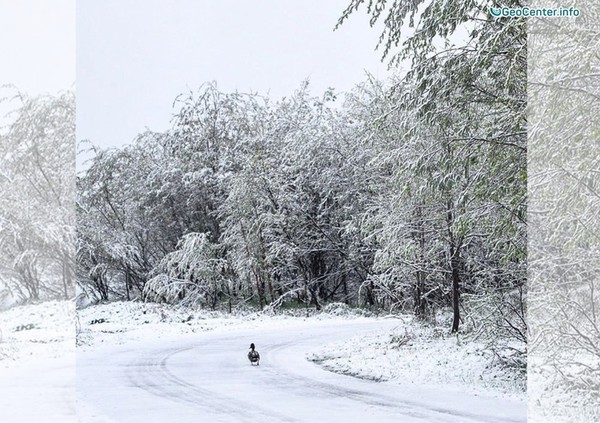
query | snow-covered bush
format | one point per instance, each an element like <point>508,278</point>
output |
<point>192,274</point>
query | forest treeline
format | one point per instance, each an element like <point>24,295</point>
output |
<point>405,194</point>
<point>304,202</point>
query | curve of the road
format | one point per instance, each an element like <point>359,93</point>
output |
<point>207,378</point>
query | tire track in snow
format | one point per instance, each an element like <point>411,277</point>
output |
<point>206,377</point>
<point>152,374</point>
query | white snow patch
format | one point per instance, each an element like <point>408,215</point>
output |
<point>555,400</point>
<point>39,331</point>
<point>426,356</point>
<point>37,363</point>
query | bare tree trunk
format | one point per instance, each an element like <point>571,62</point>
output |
<point>260,290</point>
<point>66,277</point>
<point>420,306</point>
<point>271,291</point>
<point>454,267</point>
<point>370,296</point>
<point>345,288</point>
<point>454,264</point>
<point>127,284</point>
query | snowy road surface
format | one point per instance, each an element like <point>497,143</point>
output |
<point>38,391</point>
<point>207,378</point>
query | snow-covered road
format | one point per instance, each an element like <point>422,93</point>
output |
<point>207,378</point>
<point>38,391</point>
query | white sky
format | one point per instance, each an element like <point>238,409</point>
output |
<point>37,46</point>
<point>135,56</point>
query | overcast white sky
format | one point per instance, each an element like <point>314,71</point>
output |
<point>135,56</point>
<point>37,45</point>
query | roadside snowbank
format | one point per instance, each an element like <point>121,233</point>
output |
<point>37,363</point>
<point>421,355</point>
<point>122,322</point>
<point>39,331</point>
<point>554,400</point>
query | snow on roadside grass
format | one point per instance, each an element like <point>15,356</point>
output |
<point>45,330</point>
<point>120,322</point>
<point>421,355</point>
<point>571,395</point>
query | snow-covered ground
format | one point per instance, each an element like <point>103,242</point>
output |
<point>146,362</point>
<point>153,363</point>
<point>412,354</point>
<point>31,332</point>
<point>37,363</point>
<point>553,400</point>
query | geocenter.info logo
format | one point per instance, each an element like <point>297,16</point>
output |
<point>527,12</point>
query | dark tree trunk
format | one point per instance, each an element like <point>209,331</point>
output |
<point>420,305</point>
<point>455,245</point>
<point>127,284</point>
<point>229,305</point>
<point>345,288</point>
<point>419,302</point>
<point>314,299</point>
<point>454,264</point>
<point>261,292</point>
<point>370,295</point>
<point>271,290</point>
<point>317,277</point>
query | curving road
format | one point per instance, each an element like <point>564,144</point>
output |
<point>207,378</point>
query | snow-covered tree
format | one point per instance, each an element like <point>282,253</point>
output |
<point>564,89</point>
<point>457,122</point>
<point>37,192</point>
